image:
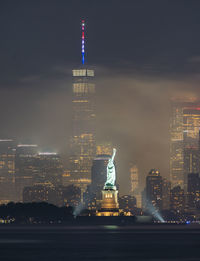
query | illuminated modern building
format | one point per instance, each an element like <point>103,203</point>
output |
<point>90,200</point>
<point>134,176</point>
<point>104,148</point>
<point>59,195</point>
<point>176,143</point>
<point>154,187</point>
<point>72,196</point>
<point>127,203</point>
<point>166,190</point>
<point>7,170</point>
<point>184,135</point>
<point>135,191</point>
<point>191,125</point>
<point>191,150</point>
<point>177,199</point>
<point>25,167</point>
<point>193,190</point>
<point>191,163</point>
<point>44,193</point>
<point>83,133</point>
<point>66,178</point>
<point>49,168</point>
<point>37,193</point>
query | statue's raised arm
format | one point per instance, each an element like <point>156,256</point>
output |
<point>113,155</point>
<point>111,175</point>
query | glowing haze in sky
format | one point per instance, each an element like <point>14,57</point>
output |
<point>143,53</point>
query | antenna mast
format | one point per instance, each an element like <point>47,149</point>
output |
<point>83,41</point>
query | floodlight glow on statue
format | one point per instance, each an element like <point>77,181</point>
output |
<point>111,173</point>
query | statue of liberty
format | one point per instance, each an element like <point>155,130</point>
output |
<point>111,175</point>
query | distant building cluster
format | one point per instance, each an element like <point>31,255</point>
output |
<point>172,202</point>
<point>178,196</point>
<point>27,174</point>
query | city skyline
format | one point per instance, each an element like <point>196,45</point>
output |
<point>135,74</point>
<point>100,130</point>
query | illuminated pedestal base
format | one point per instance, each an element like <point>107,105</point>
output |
<point>109,204</point>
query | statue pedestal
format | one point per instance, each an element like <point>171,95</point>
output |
<point>109,204</point>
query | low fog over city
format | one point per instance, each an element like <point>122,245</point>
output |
<point>142,57</point>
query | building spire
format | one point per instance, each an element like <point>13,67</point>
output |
<point>83,41</point>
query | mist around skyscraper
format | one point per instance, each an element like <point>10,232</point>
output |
<point>61,123</point>
<point>99,130</point>
<point>29,173</point>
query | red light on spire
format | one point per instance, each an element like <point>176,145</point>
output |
<point>83,41</point>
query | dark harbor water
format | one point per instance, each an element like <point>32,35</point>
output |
<point>100,243</point>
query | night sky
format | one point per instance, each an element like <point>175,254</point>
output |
<point>143,53</point>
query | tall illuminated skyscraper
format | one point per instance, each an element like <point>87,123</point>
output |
<point>83,133</point>
<point>135,190</point>
<point>7,170</point>
<point>177,199</point>
<point>191,125</point>
<point>166,188</point>
<point>193,189</point>
<point>134,176</point>
<point>176,143</point>
<point>184,138</point>
<point>154,193</point>
<point>25,167</point>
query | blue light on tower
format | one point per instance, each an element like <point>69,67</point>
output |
<point>83,42</point>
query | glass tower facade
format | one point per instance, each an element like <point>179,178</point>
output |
<point>191,126</point>
<point>49,169</point>
<point>83,132</point>
<point>25,168</point>
<point>134,176</point>
<point>7,170</point>
<point>154,185</point>
<point>184,140</point>
<point>176,144</point>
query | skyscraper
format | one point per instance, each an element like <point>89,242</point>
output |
<point>49,168</point>
<point>177,199</point>
<point>191,155</point>
<point>191,124</point>
<point>184,136</point>
<point>25,167</point>
<point>134,176</point>
<point>135,190</point>
<point>193,189</point>
<point>104,148</point>
<point>154,189</point>
<point>176,143</point>
<point>7,170</point>
<point>166,188</point>
<point>83,132</point>
<point>191,163</point>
